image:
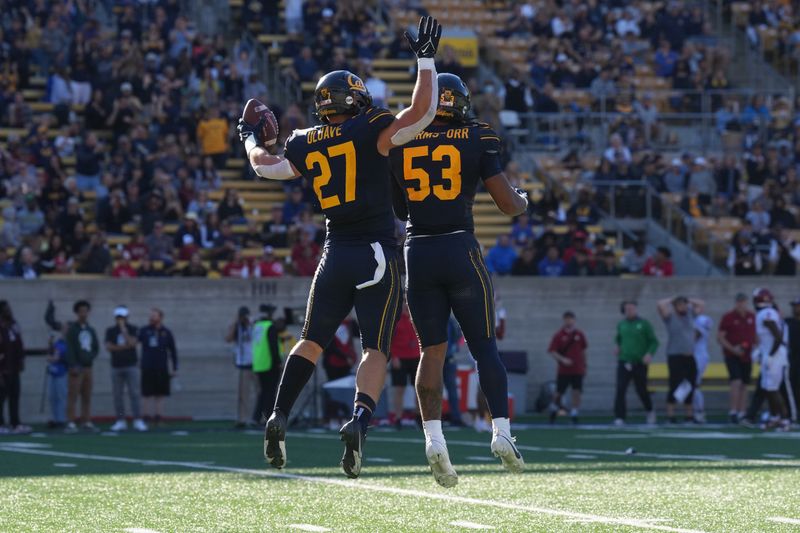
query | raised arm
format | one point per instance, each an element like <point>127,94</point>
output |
<point>424,101</point>
<point>664,307</point>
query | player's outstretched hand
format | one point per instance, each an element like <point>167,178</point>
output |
<point>428,35</point>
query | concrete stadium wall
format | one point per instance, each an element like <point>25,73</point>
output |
<point>199,311</point>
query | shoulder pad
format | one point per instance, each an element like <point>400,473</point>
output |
<point>376,113</point>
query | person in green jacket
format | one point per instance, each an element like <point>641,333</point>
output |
<point>82,349</point>
<point>266,348</point>
<point>636,344</point>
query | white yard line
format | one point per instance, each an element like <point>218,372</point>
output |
<point>783,520</point>
<point>307,527</point>
<point>469,525</point>
<point>361,485</point>
<point>139,530</point>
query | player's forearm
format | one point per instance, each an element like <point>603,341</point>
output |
<point>270,166</point>
<point>416,118</point>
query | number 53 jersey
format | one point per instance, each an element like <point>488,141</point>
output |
<point>348,175</point>
<point>438,173</point>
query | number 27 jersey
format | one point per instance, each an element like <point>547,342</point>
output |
<point>438,173</point>
<point>348,175</point>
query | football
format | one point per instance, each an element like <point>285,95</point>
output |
<point>253,111</point>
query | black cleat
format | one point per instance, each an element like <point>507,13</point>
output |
<point>574,420</point>
<point>353,440</point>
<point>275,440</point>
<point>552,417</point>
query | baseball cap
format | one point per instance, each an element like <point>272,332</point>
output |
<point>741,297</point>
<point>121,311</point>
<point>568,314</point>
<point>244,311</point>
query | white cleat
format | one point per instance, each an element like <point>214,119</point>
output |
<point>439,461</point>
<point>120,425</point>
<point>503,447</point>
<point>139,425</point>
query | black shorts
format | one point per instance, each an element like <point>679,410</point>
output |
<point>155,382</point>
<point>564,381</point>
<point>444,273</point>
<point>406,374</point>
<point>334,293</point>
<point>738,369</point>
<point>681,367</point>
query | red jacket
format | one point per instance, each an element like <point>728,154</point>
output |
<point>664,270</point>
<point>405,344</point>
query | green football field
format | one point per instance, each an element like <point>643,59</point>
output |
<point>202,477</point>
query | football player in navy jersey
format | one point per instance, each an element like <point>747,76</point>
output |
<point>346,161</point>
<point>436,176</point>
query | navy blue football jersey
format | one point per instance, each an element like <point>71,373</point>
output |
<point>349,176</point>
<point>438,173</point>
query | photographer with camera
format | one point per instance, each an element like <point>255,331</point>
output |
<point>240,336</point>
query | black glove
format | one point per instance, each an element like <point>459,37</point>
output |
<point>246,130</point>
<point>427,41</point>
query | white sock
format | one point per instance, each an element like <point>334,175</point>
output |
<point>501,425</point>
<point>573,412</point>
<point>433,430</point>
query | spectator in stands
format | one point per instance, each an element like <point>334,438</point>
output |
<point>604,90</point>
<point>30,218</point>
<point>6,264</point>
<point>517,93</point>
<point>269,266</point>
<point>665,59</point>
<point>275,231</point>
<point>123,267</point>
<point>448,62</point>
<point>701,180</point>
<point>737,335</point>
<point>501,256</point>
<point>679,315</point>
<point>579,264</point>
<point>230,208</point>
<point>159,245</point>
<point>660,264</point>
<point>95,257</point>
<point>305,256</point>
<point>304,67</point>
<point>675,177</point>
<point>27,266</point>
<point>11,235</point>
<point>12,363</point>
<point>743,257</point>
<point>212,133</point>
<point>784,253</point>
<point>636,344</point>
<point>525,264</point>
<point>780,216</point>
<point>377,87</point>
<point>294,205</point>
<point>584,210</point>
<point>120,342</point>
<point>82,350</point>
<point>522,230</point>
<point>88,160</point>
<point>159,364</point>
<point>568,347</point>
<point>225,243</point>
<point>617,151</point>
<point>195,268</point>
<point>728,177</point>
<point>758,217</point>
<point>606,264</point>
<point>237,266</point>
<point>405,355</point>
<point>552,265</point>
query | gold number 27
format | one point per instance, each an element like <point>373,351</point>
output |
<point>319,160</point>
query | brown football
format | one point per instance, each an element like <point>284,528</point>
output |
<point>253,112</point>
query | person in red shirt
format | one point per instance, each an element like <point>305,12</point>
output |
<point>123,268</point>
<point>137,248</point>
<point>660,265</point>
<point>236,267</point>
<point>305,255</point>
<point>578,243</point>
<point>269,266</point>
<point>568,348</point>
<point>338,359</point>
<point>737,336</point>
<point>405,354</point>
<point>188,248</point>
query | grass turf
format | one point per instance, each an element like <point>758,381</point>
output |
<point>209,479</point>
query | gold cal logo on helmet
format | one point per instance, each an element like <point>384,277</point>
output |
<point>355,83</point>
<point>447,98</point>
